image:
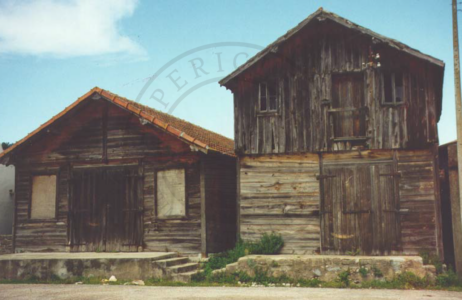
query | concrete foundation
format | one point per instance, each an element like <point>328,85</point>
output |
<point>45,266</point>
<point>328,267</point>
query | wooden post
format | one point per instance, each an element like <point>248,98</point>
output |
<point>457,239</point>
<point>203,186</point>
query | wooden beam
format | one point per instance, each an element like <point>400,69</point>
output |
<point>455,206</point>
<point>203,187</point>
<point>456,200</point>
<point>104,127</point>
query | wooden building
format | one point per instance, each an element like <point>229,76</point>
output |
<point>336,138</point>
<point>109,174</point>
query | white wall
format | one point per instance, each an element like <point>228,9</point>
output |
<point>6,200</point>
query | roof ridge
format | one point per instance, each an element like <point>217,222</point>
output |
<point>341,21</point>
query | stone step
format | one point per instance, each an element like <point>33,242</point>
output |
<point>169,262</point>
<point>184,277</point>
<point>167,255</point>
<point>184,268</point>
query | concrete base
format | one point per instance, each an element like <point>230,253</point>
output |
<point>45,266</point>
<point>328,267</point>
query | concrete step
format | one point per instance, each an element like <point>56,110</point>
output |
<point>184,268</point>
<point>184,277</point>
<point>169,262</point>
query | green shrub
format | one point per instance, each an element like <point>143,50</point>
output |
<point>429,258</point>
<point>363,271</point>
<point>377,272</point>
<point>344,278</point>
<point>410,280</point>
<point>269,244</point>
<point>448,279</point>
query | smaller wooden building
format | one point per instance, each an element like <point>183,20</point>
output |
<point>110,174</point>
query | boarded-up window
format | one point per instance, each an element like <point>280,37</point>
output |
<point>43,202</point>
<point>171,198</point>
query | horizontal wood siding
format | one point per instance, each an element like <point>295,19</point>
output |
<point>178,234</point>
<point>35,235</point>
<point>417,186</point>
<point>281,194</point>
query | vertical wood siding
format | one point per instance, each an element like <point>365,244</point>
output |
<point>305,71</point>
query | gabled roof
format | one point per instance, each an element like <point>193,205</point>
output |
<point>187,132</point>
<point>322,14</point>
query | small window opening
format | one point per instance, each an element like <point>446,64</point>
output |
<point>393,88</point>
<point>268,97</point>
<point>263,98</point>
<point>399,90</point>
<point>387,78</point>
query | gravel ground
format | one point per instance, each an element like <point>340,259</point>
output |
<point>33,291</point>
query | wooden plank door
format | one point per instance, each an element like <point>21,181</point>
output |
<point>124,210</point>
<point>346,211</point>
<point>106,210</point>
<point>386,223</point>
<point>87,211</point>
<point>359,209</point>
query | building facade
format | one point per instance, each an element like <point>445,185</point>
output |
<point>336,137</point>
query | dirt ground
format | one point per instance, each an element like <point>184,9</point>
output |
<point>78,292</point>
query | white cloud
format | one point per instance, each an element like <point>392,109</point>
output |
<point>66,28</point>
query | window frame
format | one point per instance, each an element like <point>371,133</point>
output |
<point>156,195</point>
<point>31,183</point>
<point>268,109</point>
<point>392,74</point>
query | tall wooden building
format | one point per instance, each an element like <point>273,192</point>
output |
<point>109,174</point>
<point>336,137</point>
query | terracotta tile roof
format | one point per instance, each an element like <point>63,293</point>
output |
<point>188,132</point>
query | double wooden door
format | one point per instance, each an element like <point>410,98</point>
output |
<point>360,209</point>
<point>106,209</point>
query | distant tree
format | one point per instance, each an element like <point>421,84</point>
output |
<point>6,145</point>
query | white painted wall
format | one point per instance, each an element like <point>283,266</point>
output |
<point>6,200</point>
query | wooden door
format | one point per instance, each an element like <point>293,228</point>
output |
<point>359,209</point>
<point>106,210</point>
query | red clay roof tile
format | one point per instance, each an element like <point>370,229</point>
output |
<point>184,130</point>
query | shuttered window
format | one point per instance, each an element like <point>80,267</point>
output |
<point>171,198</point>
<point>43,200</point>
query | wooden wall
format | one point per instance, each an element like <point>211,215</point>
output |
<point>303,70</point>
<point>281,193</point>
<point>180,235</point>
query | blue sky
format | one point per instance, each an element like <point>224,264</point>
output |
<point>53,52</point>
